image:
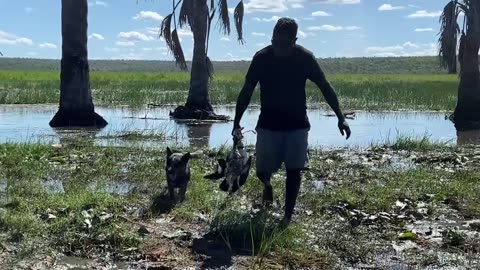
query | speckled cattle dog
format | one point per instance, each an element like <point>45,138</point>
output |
<point>178,173</point>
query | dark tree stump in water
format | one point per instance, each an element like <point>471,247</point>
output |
<point>183,112</point>
<point>65,118</point>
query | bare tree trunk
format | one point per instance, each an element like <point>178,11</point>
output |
<point>76,105</point>
<point>198,98</point>
<point>467,111</point>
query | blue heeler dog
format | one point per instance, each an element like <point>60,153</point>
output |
<point>178,173</point>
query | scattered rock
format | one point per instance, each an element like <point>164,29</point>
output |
<point>143,230</point>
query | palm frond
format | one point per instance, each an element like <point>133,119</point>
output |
<point>209,25</point>
<point>165,31</point>
<point>461,50</point>
<point>448,37</point>
<point>238,17</point>
<point>224,19</point>
<point>1,54</point>
<point>178,51</point>
<point>210,69</point>
<point>186,13</point>
<point>212,4</point>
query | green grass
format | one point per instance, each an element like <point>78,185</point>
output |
<point>313,240</point>
<point>422,143</point>
<point>375,92</point>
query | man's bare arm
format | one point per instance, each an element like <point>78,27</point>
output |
<point>332,100</point>
<point>243,101</point>
<point>330,97</point>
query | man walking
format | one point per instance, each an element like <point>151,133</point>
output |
<point>282,128</point>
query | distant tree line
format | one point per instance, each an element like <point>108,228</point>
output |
<point>367,65</point>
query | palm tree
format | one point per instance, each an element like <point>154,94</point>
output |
<point>467,112</point>
<point>76,105</point>
<point>198,15</point>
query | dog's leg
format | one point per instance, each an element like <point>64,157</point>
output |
<point>182,192</point>
<point>171,192</point>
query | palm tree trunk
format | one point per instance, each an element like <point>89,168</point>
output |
<point>76,105</point>
<point>467,111</point>
<point>198,98</point>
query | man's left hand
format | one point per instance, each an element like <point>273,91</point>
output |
<point>344,128</point>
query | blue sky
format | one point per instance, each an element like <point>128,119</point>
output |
<point>125,29</point>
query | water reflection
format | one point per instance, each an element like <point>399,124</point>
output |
<point>27,123</point>
<point>76,136</point>
<point>198,134</point>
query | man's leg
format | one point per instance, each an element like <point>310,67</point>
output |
<point>268,160</point>
<point>292,188</point>
<point>267,196</point>
<point>296,161</point>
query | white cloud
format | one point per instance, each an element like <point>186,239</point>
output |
<point>266,6</point>
<point>96,36</point>
<point>259,34</point>
<point>388,7</point>
<point>320,14</point>
<point>409,44</point>
<point>29,9</point>
<point>333,28</point>
<point>302,34</point>
<point>340,2</point>
<point>148,15</point>
<point>406,49</point>
<point>97,3</point>
<point>271,19</point>
<point>147,49</point>
<point>425,14</point>
<point>134,36</point>
<point>277,6</point>
<point>125,43</point>
<point>47,45</point>
<point>10,39</point>
<point>110,49</point>
<point>153,30</point>
<point>184,33</point>
<point>424,30</point>
<point>224,39</point>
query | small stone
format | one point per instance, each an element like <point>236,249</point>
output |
<point>143,230</point>
<point>475,226</point>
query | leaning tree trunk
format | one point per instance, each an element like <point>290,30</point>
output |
<point>76,105</point>
<point>467,111</point>
<point>198,98</point>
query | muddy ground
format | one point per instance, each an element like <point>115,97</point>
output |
<point>75,206</point>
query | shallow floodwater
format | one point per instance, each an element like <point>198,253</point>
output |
<point>29,123</point>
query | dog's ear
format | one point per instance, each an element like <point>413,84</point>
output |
<point>186,157</point>
<point>169,152</point>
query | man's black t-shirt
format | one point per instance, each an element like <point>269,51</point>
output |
<point>282,87</point>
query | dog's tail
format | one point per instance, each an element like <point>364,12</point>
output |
<point>221,167</point>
